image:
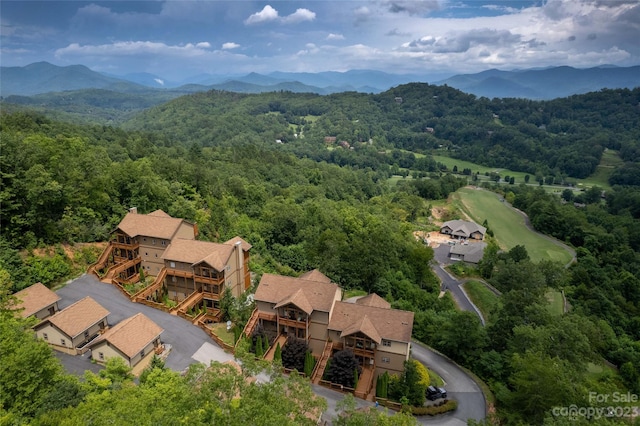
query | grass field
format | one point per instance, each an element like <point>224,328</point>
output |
<point>508,225</point>
<point>610,160</point>
<point>556,303</point>
<point>451,162</point>
<point>482,297</point>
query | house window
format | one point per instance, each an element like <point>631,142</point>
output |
<point>173,279</point>
<point>63,342</point>
<point>385,360</point>
<point>101,356</point>
<point>153,241</point>
<point>163,242</point>
<point>172,264</point>
<point>86,334</point>
<point>144,239</point>
<point>386,343</point>
<point>142,354</point>
<point>45,336</point>
<point>156,254</point>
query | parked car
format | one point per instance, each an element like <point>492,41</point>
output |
<point>434,393</point>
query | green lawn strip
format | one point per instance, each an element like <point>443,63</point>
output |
<point>221,331</point>
<point>451,162</point>
<point>556,302</point>
<point>434,378</point>
<point>482,297</point>
<point>508,226</point>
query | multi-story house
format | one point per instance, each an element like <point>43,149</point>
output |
<point>191,273</point>
<point>310,308</point>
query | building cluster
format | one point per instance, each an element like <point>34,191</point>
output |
<point>194,275</point>
<point>84,326</point>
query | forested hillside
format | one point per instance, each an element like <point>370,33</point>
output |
<point>212,158</point>
<point>564,138</point>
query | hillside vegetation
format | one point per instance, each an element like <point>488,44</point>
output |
<point>212,158</point>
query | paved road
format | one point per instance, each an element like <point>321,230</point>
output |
<point>190,344</point>
<point>452,284</point>
<point>461,387</point>
<point>186,339</point>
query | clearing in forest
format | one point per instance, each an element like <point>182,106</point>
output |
<point>508,225</point>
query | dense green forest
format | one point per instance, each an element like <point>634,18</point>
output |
<point>212,158</point>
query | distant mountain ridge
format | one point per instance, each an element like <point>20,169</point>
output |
<point>538,84</point>
<point>544,84</point>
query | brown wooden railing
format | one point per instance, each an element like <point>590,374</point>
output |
<point>318,370</point>
<point>101,262</point>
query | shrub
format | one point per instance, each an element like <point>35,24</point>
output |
<point>445,406</point>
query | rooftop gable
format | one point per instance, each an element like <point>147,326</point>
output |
<point>373,300</point>
<point>276,288</point>
<point>464,227</point>
<point>390,324</point>
<point>34,298</point>
<point>130,336</point>
<point>193,252</point>
<point>78,317</point>
<point>298,299</point>
<point>364,326</point>
<point>315,275</point>
<point>245,245</point>
<point>157,224</point>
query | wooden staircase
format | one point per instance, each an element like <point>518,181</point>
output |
<point>322,363</point>
<point>248,329</point>
<point>101,262</point>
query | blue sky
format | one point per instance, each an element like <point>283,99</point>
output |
<point>178,39</point>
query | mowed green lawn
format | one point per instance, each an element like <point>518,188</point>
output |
<point>508,225</point>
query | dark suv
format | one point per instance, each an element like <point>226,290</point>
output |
<point>434,393</point>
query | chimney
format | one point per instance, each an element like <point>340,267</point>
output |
<point>240,260</point>
<point>133,210</point>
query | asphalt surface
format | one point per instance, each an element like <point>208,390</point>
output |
<point>461,387</point>
<point>450,283</point>
<point>186,339</point>
<point>190,344</point>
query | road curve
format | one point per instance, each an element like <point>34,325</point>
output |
<point>460,386</point>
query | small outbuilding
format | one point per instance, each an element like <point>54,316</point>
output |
<point>72,328</point>
<point>134,339</point>
<point>470,253</point>
<point>37,301</point>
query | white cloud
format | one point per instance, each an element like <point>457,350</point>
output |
<point>203,45</point>
<point>131,48</point>
<point>300,15</point>
<point>230,45</point>
<point>159,81</point>
<point>333,36</point>
<point>269,14</point>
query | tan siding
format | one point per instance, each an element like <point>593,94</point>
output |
<point>54,336</point>
<point>400,348</point>
<point>265,306</point>
<point>107,352</point>
<point>318,331</point>
<point>395,364</point>
<point>44,313</point>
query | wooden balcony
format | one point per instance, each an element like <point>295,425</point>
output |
<point>290,322</point>
<point>125,246</point>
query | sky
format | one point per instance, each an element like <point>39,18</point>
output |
<point>179,39</point>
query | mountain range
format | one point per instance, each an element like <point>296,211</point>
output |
<point>549,83</point>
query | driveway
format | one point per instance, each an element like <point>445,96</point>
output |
<point>189,344</point>
<point>440,254</point>
<point>461,387</point>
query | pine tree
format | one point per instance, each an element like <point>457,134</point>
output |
<point>355,378</point>
<point>309,363</point>
<point>277,355</point>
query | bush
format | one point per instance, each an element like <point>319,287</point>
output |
<point>442,407</point>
